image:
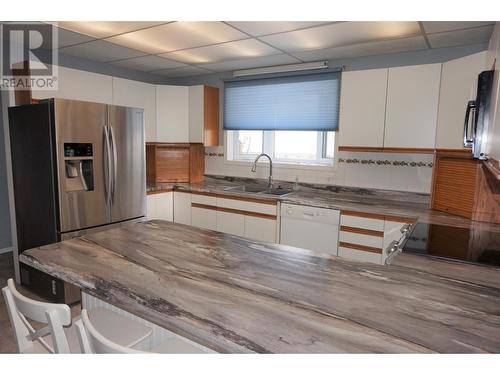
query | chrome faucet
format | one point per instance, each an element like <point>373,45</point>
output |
<point>254,167</point>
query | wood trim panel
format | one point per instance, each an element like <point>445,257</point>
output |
<point>368,232</point>
<point>233,211</point>
<point>399,150</point>
<point>172,164</point>
<point>234,197</point>
<point>363,214</point>
<point>196,162</point>
<point>211,116</point>
<point>402,219</point>
<point>368,249</point>
<point>455,152</point>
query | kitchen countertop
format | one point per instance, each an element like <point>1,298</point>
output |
<point>236,295</point>
<point>414,206</point>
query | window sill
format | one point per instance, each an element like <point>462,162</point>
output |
<point>281,165</point>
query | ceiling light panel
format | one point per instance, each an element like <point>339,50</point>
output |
<point>340,34</point>
<point>104,29</point>
<point>258,28</point>
<point>227,51</point>
<point>178,35</point>
<point>440,26</point>
<point>460,37</point>
<point>148,63</point>
<point>364,49</point>
<point>101,51</point>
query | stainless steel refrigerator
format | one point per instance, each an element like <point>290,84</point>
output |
<point>77,167</point>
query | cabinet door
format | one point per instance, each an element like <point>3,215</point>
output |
<point>231,223</point>
<point>80,85</point>
<point>362,108</point>
<point>204,218</point>
<point>260,229</point>
<point>151,207</point>
<point>196,114</point>
<point>165,206</point>
<point>140,95</point>
<point>182,208</point>
<point>412,103</point>
<point>172,113</point>
<point>458,86</point>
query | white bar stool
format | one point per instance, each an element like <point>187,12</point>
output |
<point>92,341</point>
<point>58,335</point>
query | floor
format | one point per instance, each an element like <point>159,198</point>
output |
<point>7,340</point>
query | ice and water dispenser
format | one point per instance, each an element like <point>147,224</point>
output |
<point>78,164</point>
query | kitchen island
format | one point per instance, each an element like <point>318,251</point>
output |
<point>235,295</point>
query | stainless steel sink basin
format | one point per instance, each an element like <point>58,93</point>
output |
<point>260,189</point>
<point>250,188</point>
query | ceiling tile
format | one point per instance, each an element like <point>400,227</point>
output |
<point>148,63</point>
<point>178,35</point>
<point>364,49</point>
<point>101,51</point>
<point>460,37</point>
<point>226,51</point>
<point>251,63</point>
<point>182,72</point>
<point>103,29</point>
<point>258,28</point>
<point>340,34</point>
<point>68,38</point>
<point>440,26</point>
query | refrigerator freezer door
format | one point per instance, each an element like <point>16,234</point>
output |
<point>79,141</point>
<point>128,194</point>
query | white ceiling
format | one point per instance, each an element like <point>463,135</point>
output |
<point>181,49</point>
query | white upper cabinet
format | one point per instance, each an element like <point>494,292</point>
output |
<point>80,85</point>
<point>172,113</point>
<point>140,95</point>
<point>412,106</point>
<point>458,86</point>
<point>204,115</point>
<point>362,108</point>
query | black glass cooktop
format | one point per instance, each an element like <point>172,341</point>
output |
<point>474,245</point>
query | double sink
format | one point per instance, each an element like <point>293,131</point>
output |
<point>260,189</point>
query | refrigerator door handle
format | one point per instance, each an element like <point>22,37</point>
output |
<point>107,165</point>
<point>471,106</point>
<point>114,164</point>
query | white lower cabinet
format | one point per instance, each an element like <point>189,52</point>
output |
<point>160,206</point>
<point>182,207</point>
<point>204,218</point>
<point>231,223</point>
<point>260,229</point>
<point>355,254</point>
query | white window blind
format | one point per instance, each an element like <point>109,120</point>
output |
<point>302,102</point>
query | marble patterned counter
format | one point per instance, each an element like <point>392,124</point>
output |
<point>235,295</point>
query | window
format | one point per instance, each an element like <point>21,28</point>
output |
<point>293,147</point>
<point>291,118</point>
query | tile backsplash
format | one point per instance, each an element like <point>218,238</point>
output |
<point>407,172</point>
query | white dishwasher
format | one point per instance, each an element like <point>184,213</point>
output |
<point>311,228</point>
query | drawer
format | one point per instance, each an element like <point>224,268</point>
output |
<point>359,255</point>
<point>203,199</point>
<point>361,239</point>
<point>269,209</point>
<point>362,222</point>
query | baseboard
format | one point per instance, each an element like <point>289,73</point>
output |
<point>6,250</point>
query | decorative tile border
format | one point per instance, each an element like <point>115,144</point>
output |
<point>396,163</point>
<point>215,154</point>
